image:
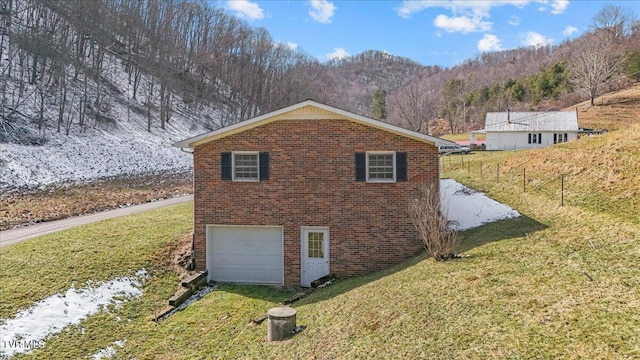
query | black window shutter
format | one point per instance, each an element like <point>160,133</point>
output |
<point>555,138</point>
<point>529,138</point>
<point>361,167</point>
<point>264,166</point>
<point>540,138</point>
<point>565,137</point>
<point>225,165</point>
<point>401,166</point>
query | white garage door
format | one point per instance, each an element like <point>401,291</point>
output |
<point>245,254</point>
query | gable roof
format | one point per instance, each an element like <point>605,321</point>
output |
<point>531,121</point>
<point>306,110</point>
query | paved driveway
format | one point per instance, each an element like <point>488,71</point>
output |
<point>9,237</point>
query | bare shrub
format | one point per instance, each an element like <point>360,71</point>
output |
<point>437,237</point>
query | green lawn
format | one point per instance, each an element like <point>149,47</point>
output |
<point>560,282</point>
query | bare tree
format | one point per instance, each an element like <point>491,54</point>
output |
<point>437,237</point>
<point>596,62</point>
<point>414,105</point>
<point>615,22</point>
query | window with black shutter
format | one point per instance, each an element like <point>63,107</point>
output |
<point>401,166</point>
<point>244,166</point>
<point>225,166</point>
<point>264,166</point>
<point>361,167</point>
<point>381,166</point>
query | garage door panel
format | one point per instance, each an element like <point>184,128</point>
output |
<point>245,254</point>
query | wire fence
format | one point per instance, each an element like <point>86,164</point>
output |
<point>519,176</point>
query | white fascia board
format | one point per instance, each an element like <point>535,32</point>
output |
<point>275,115</point>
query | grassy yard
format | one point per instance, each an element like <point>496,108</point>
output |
<point>561,282</point>
<point>601,174</point>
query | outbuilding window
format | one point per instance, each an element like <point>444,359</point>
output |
<point>560,138</point>
<point>535,138</point>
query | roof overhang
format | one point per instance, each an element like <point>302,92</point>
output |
<point>293,113</point>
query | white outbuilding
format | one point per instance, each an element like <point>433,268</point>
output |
<point>527,130</point>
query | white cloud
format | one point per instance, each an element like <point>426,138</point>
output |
<point>338,53</point>
<point>569,30</point>
<point>322,11</point>
<point>490,43</point>
<point>481,7</point>
<point>247,9</point>
<point>472,15</point>
<point>291,45</point>
<point>532,38</point>
<point>288,44</point>
<point>467,16</point>
<point>461,24</point>
<point>559,6</point>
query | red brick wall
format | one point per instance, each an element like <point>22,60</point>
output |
<point>312,183</point>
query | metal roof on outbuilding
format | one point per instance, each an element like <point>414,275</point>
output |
<point>531,121</point>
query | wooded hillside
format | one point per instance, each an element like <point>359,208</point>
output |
<point>75,58</point>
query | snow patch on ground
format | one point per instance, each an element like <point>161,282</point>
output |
<point>30,327</point>
<point>465,208</point>
<point>197,295</point>
<point>109,351</point>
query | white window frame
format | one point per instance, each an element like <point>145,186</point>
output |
<point>393,166</point>
<point>233,166</point>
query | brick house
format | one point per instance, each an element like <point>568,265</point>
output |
<point>290,196</point>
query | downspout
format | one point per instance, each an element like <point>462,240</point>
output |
<point>186,151</point>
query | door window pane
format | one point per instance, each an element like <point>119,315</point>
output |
<point>315,243</point>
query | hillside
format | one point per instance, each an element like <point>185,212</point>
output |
<point>559,282</point>
<point>613,111</point>
<point>104,94</point>
<point>600,173</point>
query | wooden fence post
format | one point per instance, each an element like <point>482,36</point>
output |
<point>561,190</point>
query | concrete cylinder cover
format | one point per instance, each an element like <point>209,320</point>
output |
<point>282,322</point>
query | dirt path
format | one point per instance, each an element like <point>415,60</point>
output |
<point>13,236</point>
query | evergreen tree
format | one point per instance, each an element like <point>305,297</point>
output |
<point>379,105</point>
<point>633,64</point>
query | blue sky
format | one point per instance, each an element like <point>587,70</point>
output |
<point>442,33</point>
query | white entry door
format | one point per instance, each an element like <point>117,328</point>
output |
<point>315,254</point>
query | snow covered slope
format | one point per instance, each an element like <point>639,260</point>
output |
<point>118,145</point>
<point>127,150</point>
